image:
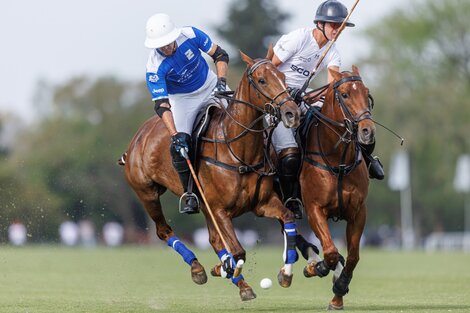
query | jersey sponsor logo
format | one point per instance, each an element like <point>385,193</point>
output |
<point>300,70</point>
<point>153,78</point>
<point>205,41</point>
<point>160,90</point>
<point>189,54</point>
<point>305,60</point>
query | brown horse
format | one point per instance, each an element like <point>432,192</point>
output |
<point>334,180</point>
<point>230,169</point>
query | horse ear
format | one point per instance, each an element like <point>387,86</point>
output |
<point>270,54</point>
<point>355,70</point>
<point>249,61</point>
<point>335,74</point>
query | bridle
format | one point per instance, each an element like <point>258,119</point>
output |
<point>273,103</point>
<point>350,122</point>
<point>271,107</point>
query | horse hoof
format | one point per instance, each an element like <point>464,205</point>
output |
<point>247,294</point>
<point>332,307</point>
<point>309,270</point>
<point>283,279</point>
<point>215,271</point>
<point>198,273</point>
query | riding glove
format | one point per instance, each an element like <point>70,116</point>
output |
<point>221,85</point>
<point>178,142</point>
<point>297,94</point>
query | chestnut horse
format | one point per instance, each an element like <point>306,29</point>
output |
<point>233,141</point>
<point>334,179</point>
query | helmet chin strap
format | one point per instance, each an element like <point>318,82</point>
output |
<point>323,30</point>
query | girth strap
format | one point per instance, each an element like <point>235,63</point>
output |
<point>242,169</point>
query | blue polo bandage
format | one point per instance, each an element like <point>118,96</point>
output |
<point>178,246</point>
<point>290,252</point>
<point>235,280</point>
<point>221,253</point>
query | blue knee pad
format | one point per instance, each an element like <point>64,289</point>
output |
<point>178,246</point>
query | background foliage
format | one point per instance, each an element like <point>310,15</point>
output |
<point>64,165</point>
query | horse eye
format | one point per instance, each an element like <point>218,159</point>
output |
<point>262,81</point>
<point>344,95</point>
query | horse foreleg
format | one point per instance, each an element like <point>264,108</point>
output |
<point>275,209</point>
<point>230,253</point>
<point>354,231</point>
<point>165,233</point>
<point>319,224</point>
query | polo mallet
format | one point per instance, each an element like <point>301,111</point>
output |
<point>239,266</point>
<point>343,25</point>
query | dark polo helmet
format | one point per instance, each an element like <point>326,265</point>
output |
<point>332,11</point>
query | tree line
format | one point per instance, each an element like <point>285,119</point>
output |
<point>418,70</point>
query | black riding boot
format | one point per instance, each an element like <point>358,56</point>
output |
<point>191,202</point>
<point>373,164</point>
<point>288,179</point>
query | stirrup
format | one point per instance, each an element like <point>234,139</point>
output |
<point>182,205</point>
<point>296,210</point>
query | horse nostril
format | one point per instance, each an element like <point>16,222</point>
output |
<point>289,115</point>
<point>365,131</point>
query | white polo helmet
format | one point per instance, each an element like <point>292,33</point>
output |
<point>160,31</point>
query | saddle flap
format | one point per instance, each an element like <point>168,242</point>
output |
<point>200,126</point>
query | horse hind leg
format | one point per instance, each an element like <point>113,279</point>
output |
<point>152,204</point>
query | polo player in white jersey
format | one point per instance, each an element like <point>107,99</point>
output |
<point>296,54</point>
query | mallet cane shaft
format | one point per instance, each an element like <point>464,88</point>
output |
<point>239,266</point>
<point>343,25</point>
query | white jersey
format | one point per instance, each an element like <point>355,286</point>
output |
<point>299,53</point>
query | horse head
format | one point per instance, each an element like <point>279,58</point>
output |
<point>267,90</point>
<point>354,104</point>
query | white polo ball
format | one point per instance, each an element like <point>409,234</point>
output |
<point>266,283</point>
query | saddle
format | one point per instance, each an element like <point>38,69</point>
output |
<point>201,124</point>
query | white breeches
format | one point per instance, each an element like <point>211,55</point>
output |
<point>186,106</point>
<point>283,138</point>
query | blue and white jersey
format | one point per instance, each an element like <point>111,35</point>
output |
<point>183,72</point>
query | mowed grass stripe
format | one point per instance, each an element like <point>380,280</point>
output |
<point>37,279</point>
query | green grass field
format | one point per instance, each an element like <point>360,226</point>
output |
<point>37,279</point>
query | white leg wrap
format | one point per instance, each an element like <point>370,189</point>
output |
<point>288,269</point>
